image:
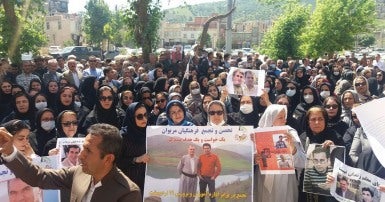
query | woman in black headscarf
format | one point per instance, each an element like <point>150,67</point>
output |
<point>5,98</point>
<point>133,157</point>
<point>161,85</point>
<point>88,91</point>
<point>45,131</point>
<point>247,114</point>
<point>105,110</point>
<point>23,109</point>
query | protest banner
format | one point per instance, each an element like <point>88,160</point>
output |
<point>353,184</point>
<point>245,81</point>
<point>187,158</point>
<point>272,151</point>
<point>319,163</point>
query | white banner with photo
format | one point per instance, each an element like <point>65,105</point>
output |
<point>14,189</point>
<point>181,155</point>
<point>353,184</point>
<point>245,81</point>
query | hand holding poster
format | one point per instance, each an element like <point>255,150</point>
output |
<point>353,184</point>
<point>190,162</point>
<point>245,81</point>
<point>320,161</point>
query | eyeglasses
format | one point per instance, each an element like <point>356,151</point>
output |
<point>360,84</point>
<point>219,113</point>
<point>335,106</point>
<point>160,101</point>
<point>141,116</point>
<point>69,123</point>
<point>104,98</point>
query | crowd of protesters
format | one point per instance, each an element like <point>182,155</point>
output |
<point>63,97</point>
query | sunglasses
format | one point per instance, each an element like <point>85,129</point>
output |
<point>160,101</point>
<point>141,116</point>
<point>69,123</point>
<point>104,98</point>
<point>219,113</point>
<point>331,106</point>
<point>360,84</point>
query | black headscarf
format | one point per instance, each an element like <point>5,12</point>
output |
<point>88,92</point>
<point>43,136</point>
<point>110,115</point>
<point>130,128</point>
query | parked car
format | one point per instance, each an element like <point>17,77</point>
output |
<point>81,52</point>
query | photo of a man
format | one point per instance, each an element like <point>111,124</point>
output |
<point>19,191</point>
<point>188,168</point>
<point>315,175</point>
<point>283,162</point>
<point>237,79</point>
<point>280,144</point>
<point>343,189</point>
<point>249,87</point>
<point>209,167</point>
<point>367,194</point>
<point>72,153</point>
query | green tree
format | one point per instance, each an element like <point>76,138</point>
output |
<point>282,39</point>
<point>334,25</point>
<point>96,17</point>
<point>366,40</point>
<point>22,27</point>
<point>143,20</point>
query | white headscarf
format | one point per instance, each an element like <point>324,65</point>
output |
<point>270,114</point>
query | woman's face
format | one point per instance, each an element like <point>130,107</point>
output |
<point>40,98</point>
<point>348,100</point>
<point>127,98</point>
<point>106,99</point>
<point>66,97</point>
<point>141,117</point>
<point>20,139</point>
<point>6,88</point>
<point>22,104</point>
<point>213,91</point>
<point>278,84</point>
<point>36,86</point>
<point>216,113</point>
<point>69,124</point>
<point>361,86</point>
<point>331,107</point>
<point>316,122</point>
<point>280,119</point>
<point>176,114</point>
<point>53,87</point>
<point>161,101</point>
<point>205,82</point>
<point>379,76</point>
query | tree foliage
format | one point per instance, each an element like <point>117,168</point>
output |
<point>143,20</point>
<point>366,40</point>
<point>282,39</point>
<point>335,24</point>
<point>96,17</point>
<point>22,27</point>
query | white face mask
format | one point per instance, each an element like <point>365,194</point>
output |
<point>220,88</point>
<point>41,105</point>
<point>48,125</point>
<point>78,104</point>
<point>336,73</point>
<point>290,92</point>
<point>246,108</point>
<point>220,124</point>
<point>324,94</point>
<point>195,91</point>
<point>308,98</point>
<point>267,90</point>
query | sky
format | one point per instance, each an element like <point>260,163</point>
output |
<point>75,6</point>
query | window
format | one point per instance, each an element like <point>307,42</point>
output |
<point>185,36</point>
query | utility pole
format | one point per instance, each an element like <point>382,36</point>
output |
<point>229,40</point>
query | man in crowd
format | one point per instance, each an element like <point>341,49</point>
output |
<point>343,190</point>
<point>72,154</point>
<point>20,191</point>
<point>97,179</point>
